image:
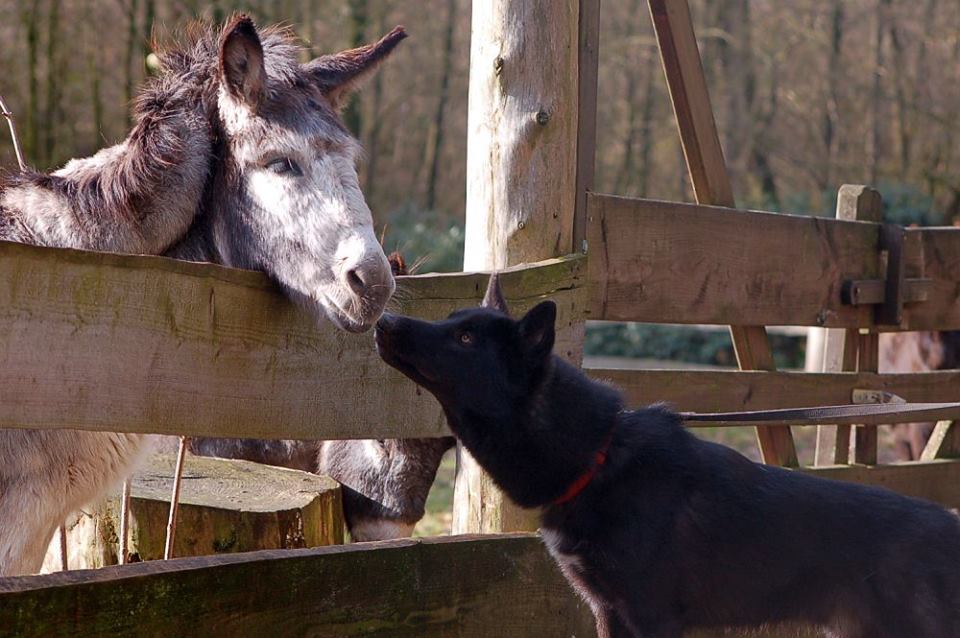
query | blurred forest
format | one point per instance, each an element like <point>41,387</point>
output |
<point>808,94</point>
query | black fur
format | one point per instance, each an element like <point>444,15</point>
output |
<point>674,532</point>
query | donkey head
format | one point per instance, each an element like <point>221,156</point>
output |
<point>288,197</point>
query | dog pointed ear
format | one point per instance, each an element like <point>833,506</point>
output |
<point>494,296</point>
<point>241,62</point>
<point>340,74</point>
<point>537,330</point>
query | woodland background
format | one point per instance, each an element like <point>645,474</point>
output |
<point>809,94</point>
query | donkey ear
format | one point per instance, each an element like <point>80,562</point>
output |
<point>241,62</point>
<point>537,330</point>
<point>340,74</point>
<point>494,297</point>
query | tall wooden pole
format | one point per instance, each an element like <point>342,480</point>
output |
<point>521,179</point>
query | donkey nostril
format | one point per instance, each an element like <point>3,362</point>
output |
<point>355,281</point>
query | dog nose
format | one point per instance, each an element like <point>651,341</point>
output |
<point>387,321</point>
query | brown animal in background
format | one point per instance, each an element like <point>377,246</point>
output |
<point>917,352</point>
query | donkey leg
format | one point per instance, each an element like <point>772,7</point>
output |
<point>49,474</point>
<point>26,529</point>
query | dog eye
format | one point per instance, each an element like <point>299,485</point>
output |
<point>466,338</point>
<point>284,166</point>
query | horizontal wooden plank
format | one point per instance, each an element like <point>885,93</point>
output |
<point>937,481</point>
<point>147,344</point>
<point>732,390</point>
<point>934,252</point>
<point>666,262</point>
<point>459,586</point>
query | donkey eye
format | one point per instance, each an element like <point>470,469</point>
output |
<point>284,166</point>
<point>465,338</point>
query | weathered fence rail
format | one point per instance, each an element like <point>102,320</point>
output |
<point>108,342</point>
<point>463,586</point>
<point>668,262</point>
<point>733,390</point>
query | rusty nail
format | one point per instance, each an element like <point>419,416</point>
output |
<point>498,65</point>
<point>520,225</point>
<point>542,117</point>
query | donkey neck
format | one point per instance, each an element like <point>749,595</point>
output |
<point>138,196</point>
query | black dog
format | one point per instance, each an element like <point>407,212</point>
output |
<point>658,530</point>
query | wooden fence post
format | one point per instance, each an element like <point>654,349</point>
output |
<point>522,172</point>
<point>711,183</point>
<point>847,350</point>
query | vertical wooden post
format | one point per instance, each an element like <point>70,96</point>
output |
<point>587,72</point>
<point>711,183</point>
<point>847,350</point>
<point>522,172</point>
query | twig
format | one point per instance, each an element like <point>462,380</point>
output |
<point>124,523</point>
<point>63,547</point>
<point>175,500</point>
<point>7,113</point>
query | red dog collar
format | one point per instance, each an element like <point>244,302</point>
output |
<point>584,479</point>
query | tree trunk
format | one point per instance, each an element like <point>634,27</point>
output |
<point>359,20</point>
<point>93,72</point>
<point>149,18</point>
<point>437,145</point>
<point>129,80</point>
<point>831,115</point>
<point>53,83</point>
<point>874,150</point>
<point>29,18</point>
<point>372,137</point>
<point>900,80</point>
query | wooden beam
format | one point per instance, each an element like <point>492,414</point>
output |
<point>937,481</point>
<point>105,342</point>
<point>865,436</point>
<point>523,168</point>
<point>667,262</point>
<point>944,442</point>
<point>409,588</point>
<point>843,347</point>
<point>587,71</point>
<point>933,254</point>
<point>733,391</point>
<point>738,267</point>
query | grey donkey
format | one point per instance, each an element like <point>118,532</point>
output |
<point>238,157</point>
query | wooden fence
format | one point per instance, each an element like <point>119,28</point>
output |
<point>203,350</point>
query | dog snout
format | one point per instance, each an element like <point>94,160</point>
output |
<point>388,322</point>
